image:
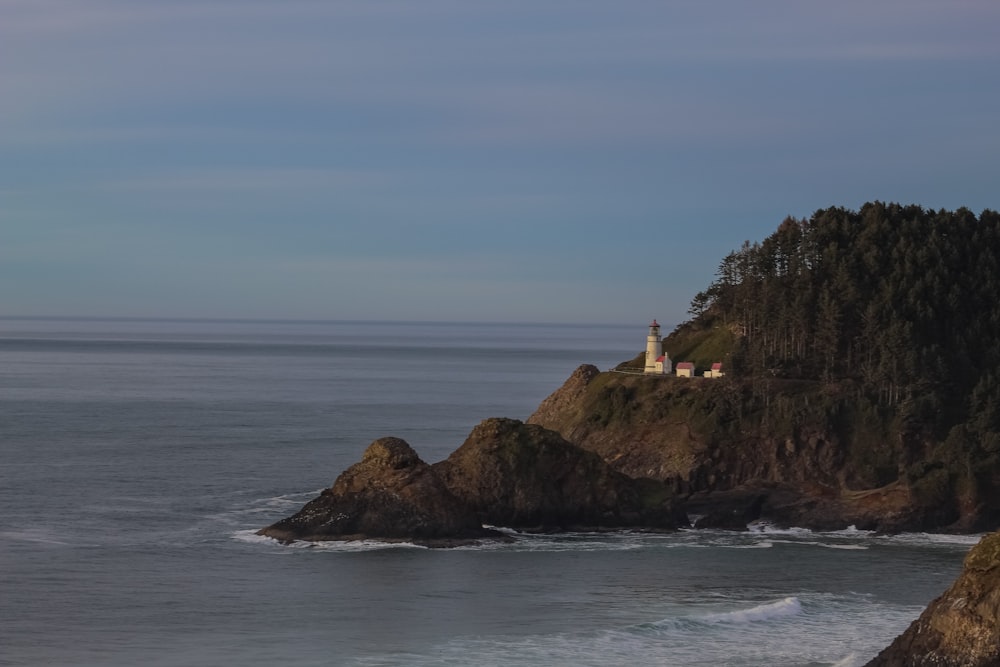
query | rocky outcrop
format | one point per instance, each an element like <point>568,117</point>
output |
<point>962,627</point>
<point>527,477</point>
<point>389,495</point>
<point>794,452</point>
<point>506,474</point>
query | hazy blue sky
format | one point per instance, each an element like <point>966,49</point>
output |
<point>530,160</point>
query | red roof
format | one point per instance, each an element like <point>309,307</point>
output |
<point>685,365</point>
<point>654,324</point>
<point>717,366</point>
<point>661,357</point>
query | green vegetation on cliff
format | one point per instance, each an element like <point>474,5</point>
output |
<point>897,298</point>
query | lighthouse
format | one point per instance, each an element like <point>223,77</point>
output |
<point>657,363</point>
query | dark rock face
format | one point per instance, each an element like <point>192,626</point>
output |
<point>524,476</point>
<point>391,495</point>
<point>962,627</point>
<point>730,511</point>
<point>813,506</point>
<point>818,457</point>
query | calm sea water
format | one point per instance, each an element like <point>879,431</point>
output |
<point>138,457</point>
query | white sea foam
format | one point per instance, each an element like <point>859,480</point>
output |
<point>920,539</point>
<point>623,540</point>
<point>851,538</point>
<point>771,529</point>
<point>853,533</point>
<point>349,546</point>
<point>561,542</point>
<point>847,547</point>
<point>251,537</point>
<point>581,545</point>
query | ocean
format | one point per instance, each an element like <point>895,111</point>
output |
<point>138,457</point>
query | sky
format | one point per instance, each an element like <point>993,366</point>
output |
<point>574,161</point>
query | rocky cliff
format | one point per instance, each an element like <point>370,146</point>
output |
<point>962,627</point>
<point>795,452</point>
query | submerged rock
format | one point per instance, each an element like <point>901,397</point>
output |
<point>962,627</point>
<point>389,495</point>
<point>527,477</point>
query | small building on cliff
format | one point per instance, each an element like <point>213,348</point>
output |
<point>685,369</point>
<point>657,361</point>
<point>715,371</point>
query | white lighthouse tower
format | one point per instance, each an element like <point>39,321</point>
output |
<point>657,363</point>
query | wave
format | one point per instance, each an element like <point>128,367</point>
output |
<point>855,538</point>
<point>789,606</point>
<point>930,539</point>
<point>762,613</point>
<point>831,630</point>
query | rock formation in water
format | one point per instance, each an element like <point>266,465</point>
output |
<point>526,477</point>
<point>506,474</point>
<point>962,627</point>
<point>390,495</point>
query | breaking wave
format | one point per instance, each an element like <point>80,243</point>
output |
<point>769,611</point>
